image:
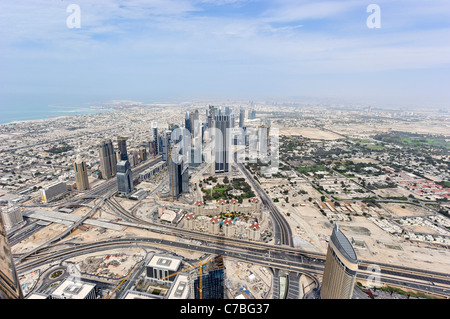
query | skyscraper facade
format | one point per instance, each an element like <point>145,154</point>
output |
<point>143,153</point>
<point>178,173</point>
<point>187,121</point>
<point>124,178</point>
<point>175,179</point>
<point>122,145</point>
<point>156,139</point>
<point>165,142</point>
<point>341,266</point>
<point>210,283</point>
<point>195,151</point>
<point>81,176</point>
<point>222,142</point>
<point>153,148</point>
<point>241,117</point>
<point>108,160</point>
<point>9,283</point>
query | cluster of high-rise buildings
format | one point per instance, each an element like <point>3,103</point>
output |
<point>179,147</point>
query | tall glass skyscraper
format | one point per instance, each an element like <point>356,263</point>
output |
<point>341,266</point>
<point>124,178</point>
<point>122,145</point>
<point>222,143</point>
<point>108,161</point>
<point>9,283</point>
<point>241,117</point>
<point>211,285</point>
<point>81,176</point>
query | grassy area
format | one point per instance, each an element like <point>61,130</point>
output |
<point>314,168</point>
<point>369,144</point>
<point>363,141</point>
<point>415,141</point>
<point>444,184</point>
<point>405,293</point>
<point>399,291</point>
<point>221,191</point>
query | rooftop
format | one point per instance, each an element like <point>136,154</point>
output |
<point>73,289</point>
<point>343,244</point>
<point>180,287</point>
<point>164,262</point>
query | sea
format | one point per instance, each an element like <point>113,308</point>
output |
<point>26,113</point>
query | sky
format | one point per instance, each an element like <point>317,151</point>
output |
<point>158,51</point>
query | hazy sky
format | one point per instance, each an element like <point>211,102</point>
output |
<point>157,50</point>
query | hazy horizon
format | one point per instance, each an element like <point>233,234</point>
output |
<point>176,50</point>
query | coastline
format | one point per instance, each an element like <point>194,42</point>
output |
<point>55,117</point>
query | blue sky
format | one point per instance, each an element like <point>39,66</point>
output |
<point>176,50</point>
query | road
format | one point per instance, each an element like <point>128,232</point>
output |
<point>281,258</point>
<point>282,230</point>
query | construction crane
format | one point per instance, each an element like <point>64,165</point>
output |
<point>190,268</point>
<point>218,260</point>
<point>174,274</point>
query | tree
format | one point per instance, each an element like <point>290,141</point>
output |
<point>322,198</point>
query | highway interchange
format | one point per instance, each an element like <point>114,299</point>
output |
<point>281,256</point>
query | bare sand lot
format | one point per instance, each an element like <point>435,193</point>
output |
<point>309,132</point>
<point>357,130</point>
<point>421,229</point>
<point>371,243</point>
<point>397,209</point>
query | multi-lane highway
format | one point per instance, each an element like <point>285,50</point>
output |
<point>101,193</point>
<point>281,256</point>
<point>282,231</point>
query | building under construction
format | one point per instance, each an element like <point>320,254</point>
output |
<point>209,283</point>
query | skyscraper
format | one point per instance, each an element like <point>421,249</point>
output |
<point>210,283</point>
<point>122,145</point>
<point>143,153</point>
<point>165,141</point>
<point>341,266</point>
<point>108,161</point>
<point>175,169</point>
<point>157,140</point>
<point>210,115</point>
<point>241,117</point>
<point>222,143</point>
<point>187,121</point>
<point>124,178</point>
<point>195,151</point>
<point>81,176</point>
<point>194,123</point>
<point>9,282</point>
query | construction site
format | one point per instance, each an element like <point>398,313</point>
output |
<point>170,277</point>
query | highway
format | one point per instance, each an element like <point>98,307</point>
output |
<point>288,258</point>
<point>282,231</point>
<point>281,256</point>
<point>281,259</point>
<point>106,190</point>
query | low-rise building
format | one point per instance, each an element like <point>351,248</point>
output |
<point>72,288</point>
<point>161,268</point>
<point>53,191</point>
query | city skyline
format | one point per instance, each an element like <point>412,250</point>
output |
<point>225,149</point>
<point>158,51</point>
<point>388,191</point>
